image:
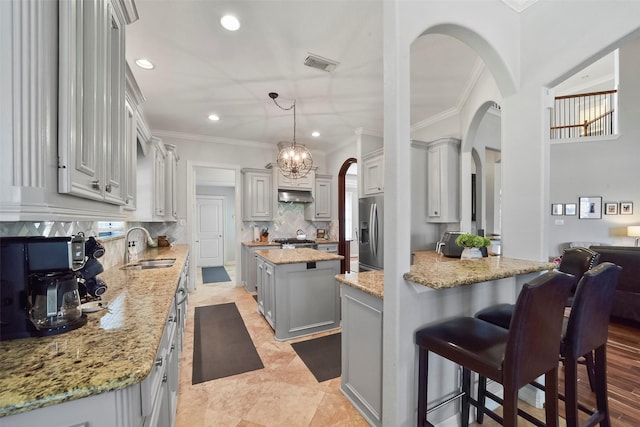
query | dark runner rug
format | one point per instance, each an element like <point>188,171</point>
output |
<point>221,344</point>
<point>321,355</point>
<point>214,275</point>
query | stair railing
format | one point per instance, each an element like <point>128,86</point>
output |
<point>585,114</point>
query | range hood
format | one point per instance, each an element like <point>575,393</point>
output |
<point>295,196</point>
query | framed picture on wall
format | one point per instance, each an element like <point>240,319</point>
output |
<point>626,208</point>
<point>569,208</point>
<point>557,209</point>
<point>590,207</point>
<point>611,209</point>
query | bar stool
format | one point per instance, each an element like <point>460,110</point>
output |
<point>585,333</point>
<point>513,357</point>
<point>575,261</point>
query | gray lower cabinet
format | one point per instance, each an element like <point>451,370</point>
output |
<point>151,403</point>
<point>249,266</point>
<point>362,352</point>
<point>299,299</point>
<point>331,248</point>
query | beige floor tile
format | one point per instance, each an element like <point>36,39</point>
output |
<point>284,393</point>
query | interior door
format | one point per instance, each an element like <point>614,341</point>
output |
<point>210,241</point>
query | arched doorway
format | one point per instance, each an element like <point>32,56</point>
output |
<point>344,248</point>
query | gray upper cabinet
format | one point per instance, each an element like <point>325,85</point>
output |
<point>373,173</point>
<point>92,121</point>
<point>63,61</point>
<point>257,195</point>
<point>320,209</point>
<point>443,188</point>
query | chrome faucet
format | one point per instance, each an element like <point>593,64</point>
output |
<point>150,241</point>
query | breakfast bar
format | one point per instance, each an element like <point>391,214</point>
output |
<point>442,287</point>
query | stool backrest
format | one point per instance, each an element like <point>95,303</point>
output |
<point>577,261</point>
<point>536,328</point>
<point>588,324</point>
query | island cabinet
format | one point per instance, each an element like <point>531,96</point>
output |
<point>362,352</point>
<point>249,271</point>
<point>257,195</point>
<point>297,292</point>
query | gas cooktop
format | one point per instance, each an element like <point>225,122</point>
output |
<point>292,241</point>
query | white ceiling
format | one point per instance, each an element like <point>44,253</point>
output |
<point>202,68</point>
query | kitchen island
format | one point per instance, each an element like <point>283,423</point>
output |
<point>443,287</point>
<point>297,292</point>
<point>111,369</point>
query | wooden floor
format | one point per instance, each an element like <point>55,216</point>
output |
<point>623,370</point>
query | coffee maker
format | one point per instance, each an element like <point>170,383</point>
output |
<point>39,293</point>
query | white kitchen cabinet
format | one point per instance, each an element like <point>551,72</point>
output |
<point>135,127</point>
<point>443,177</point>
<point>171,186</point>
<point>361,379</point>
<point>257,195</point>
<point>320,208</point>
<point>91,135</point>
<point>373,173</point>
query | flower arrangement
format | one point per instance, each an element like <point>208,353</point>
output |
<point>472,241</point>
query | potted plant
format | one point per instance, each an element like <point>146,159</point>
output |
<point>472,244</point>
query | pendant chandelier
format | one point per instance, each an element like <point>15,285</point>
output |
<point>294,161</point>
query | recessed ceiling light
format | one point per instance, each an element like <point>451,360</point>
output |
<point>145,63</point>
<point>315,134</point>
<point>214,117</point>
<point>230,22</point>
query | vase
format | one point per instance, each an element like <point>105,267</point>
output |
<point>471,253</point>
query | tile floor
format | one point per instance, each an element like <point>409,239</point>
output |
<point>284,393</point>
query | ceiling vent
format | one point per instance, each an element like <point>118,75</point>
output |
<point>324,64</point>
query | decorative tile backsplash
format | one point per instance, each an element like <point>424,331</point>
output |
<point>289,220</point>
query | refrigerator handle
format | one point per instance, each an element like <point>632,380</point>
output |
<point>374,229</point>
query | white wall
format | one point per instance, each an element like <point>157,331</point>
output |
<point>606,168</point>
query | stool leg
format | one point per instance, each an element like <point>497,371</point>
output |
<point>600,375</point>
<point>510,406</point>
<point>571,391</point>
<point>588,361</point>
<point>482,398</point>
<point>423,370</point>
<point>466,390</point>
<point>551,397</point>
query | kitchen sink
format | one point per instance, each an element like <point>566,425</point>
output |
<point>146,264</point>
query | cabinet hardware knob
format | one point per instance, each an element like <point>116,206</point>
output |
<point>164,378</point>
<point>108,188</point>
<point>95,184</point>
<point>158,361</point>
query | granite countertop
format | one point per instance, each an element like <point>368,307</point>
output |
<point>295,256</point>
<point>439,272</point>
<point>371,282</point>
<point>253,244</point>
<point>115,349</point>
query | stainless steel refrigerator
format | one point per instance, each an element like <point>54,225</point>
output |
<point>371,233</point>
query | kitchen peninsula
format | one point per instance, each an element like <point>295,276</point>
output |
<point>442,287</point>
<point>122,365</point>
<point>297,292</point>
